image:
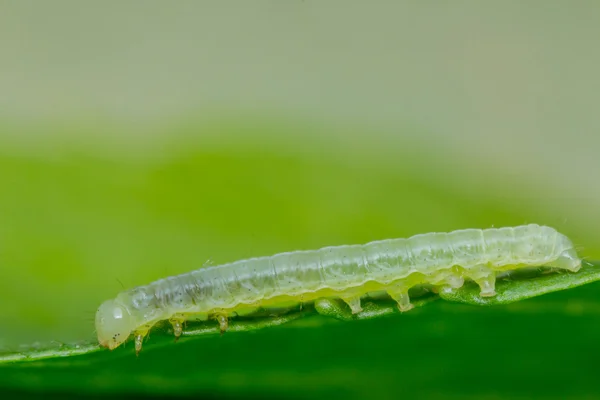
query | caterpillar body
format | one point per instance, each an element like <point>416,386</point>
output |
<point>349,272</point>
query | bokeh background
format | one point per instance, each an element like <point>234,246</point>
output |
<point>141,139</point>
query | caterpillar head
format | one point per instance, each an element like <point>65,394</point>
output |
<point>114,324</point>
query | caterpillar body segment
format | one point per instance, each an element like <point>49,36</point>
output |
<point>348,272</point>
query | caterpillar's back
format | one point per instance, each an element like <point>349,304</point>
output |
<point>348,272</point>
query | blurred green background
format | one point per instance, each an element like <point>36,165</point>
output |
<point>141,139</point>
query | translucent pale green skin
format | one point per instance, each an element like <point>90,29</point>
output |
<point>350,271</point>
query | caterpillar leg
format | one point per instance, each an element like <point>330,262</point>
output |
<point>455,281</point>
<point>353,303</point>
<point>451,283</point>
<point>447,282</point>
<point>485,278</point>
<point>139,340</point>
<point>487,285</point>
<point>223,322</point>
<point>402,298</point>
<point>177,322</point>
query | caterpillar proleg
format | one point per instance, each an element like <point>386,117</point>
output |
<point>348,272</point>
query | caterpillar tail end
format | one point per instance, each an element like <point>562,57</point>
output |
<point>567,260</point>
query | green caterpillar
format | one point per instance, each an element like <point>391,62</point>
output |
<point>348,272</point>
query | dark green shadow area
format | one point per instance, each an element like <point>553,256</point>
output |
<point>441,351</point>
